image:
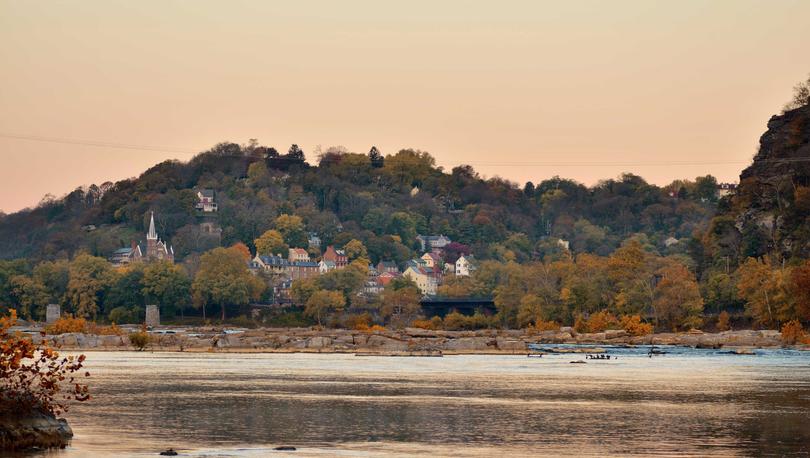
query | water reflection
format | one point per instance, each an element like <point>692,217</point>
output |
<point>243,405</point>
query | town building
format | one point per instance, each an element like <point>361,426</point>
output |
<point>298,254</point>
<point>432,259</point>
<point>155,250</point>
<point>424,278</point>
<point>314,240</point>
<point>337,256</point>
<point>433,242</point>
<point>123,256</point>
<point>326,266</point>
<point>293,270</point>
<point>465,265</point>
<point>387,266</point>
<point>205,201</point>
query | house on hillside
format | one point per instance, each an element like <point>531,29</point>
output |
<point>293,270</point>
<point>298,254</point>
<point>433,242</point>
<point>205,201</point>
<point>314,240</point>
<point>337,256</point>
<point>326,266</point>
<point>387,266</point>
<point>725,189</point>
<point>432,259</point>
<point>123,256</point>
<point>465,265</point>
<point>424,278</point>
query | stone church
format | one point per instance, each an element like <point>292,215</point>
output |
<point>156,249</point>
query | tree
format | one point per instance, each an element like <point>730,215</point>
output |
<point>295,153</point>
<point>401,306</point>
<point>763,291</point>
<point>355,250</point>
<point>377,159</point>
<point>292,229</point>
<point>271,243</point>
<point>242,248</point>
<point>224,279</point>
<point>801,96</point>
<point>168,284</point>
<point>678,302</point>
<point>89,277</point>
<point>800,286</point>
<point>323,302</point>
<point>31,296</point>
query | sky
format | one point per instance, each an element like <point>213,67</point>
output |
<point>93,91</point>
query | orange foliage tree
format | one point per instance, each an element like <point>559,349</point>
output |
<point>35,377</point>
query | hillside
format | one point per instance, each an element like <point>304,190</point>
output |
<point>547,253</point>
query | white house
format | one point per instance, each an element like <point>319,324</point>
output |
<point>326,266</point>
<point>205,201</point>
<point>465,265</point>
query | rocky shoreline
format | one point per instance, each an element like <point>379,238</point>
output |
<point>409,340</point>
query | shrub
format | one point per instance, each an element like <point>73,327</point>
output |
<point>139,340</point>
<point>111,330</point>
<point>423,324</point>
<point>723,321</point>
<point>455,321</point>
<point>792,332</point>
<point>634,326</point>
<point>34,376</point>
<point>580,324</point>
<point>124,315</point>
<point>601,321</point>
<point>546,326</point>
<point>376,328</point>
<point>359,322</point>
<point>65,325</point>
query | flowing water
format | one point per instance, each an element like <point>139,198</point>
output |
<point>213,404</point>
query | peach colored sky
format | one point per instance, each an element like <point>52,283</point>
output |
<point>520,89</point>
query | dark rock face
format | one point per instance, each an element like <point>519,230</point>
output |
<point>33,430</point>
<point>785,142</point>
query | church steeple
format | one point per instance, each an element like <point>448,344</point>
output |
<point>152,234</point>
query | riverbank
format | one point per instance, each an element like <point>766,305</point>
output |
<point>409,340</point>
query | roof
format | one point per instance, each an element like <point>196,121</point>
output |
<point>207,193</point>
<point>299,251</point>
<point>328,263</point>
<point>305,263</point>
<point>388,264</point>
<point>123,251</point>
<point>274,261</point>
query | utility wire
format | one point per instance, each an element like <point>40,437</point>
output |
<point>167,149</point>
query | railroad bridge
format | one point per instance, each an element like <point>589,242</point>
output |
<point>441,306</point>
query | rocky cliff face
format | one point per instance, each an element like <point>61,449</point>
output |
<point>772,203</point>
<point>784,150</point>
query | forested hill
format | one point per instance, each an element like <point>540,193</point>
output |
<point>552,251</point>
<point>382,201</point>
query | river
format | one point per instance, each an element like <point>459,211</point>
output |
<point>219,404</point>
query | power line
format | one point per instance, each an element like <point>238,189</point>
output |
<point>168,149</point>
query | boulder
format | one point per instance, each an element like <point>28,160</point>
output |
<point>386,343</point>
<point>319,342</point>
<point>34,429</point>
<point>468,344</point>
<point>511,344</point>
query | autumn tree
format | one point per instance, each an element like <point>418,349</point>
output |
<point>322,302</point>
<point>35,377</point>
<point>677,298</point>
<point>223,279</point>
<point>400,306</point>
<point>89,277</point>
<point>292,229</point>
<point>763,289</point>
<point>355,249</point>
<point>271,243</point>
<point>800,287</point>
